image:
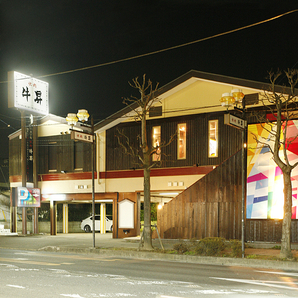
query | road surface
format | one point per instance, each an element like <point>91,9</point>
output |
<point>44,274</point>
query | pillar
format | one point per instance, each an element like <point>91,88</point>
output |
<point>102,218</point>
<point>23,168</point>
<point>35,174</point>
<point>65,218</point>
<point>53,218</point>
<point>13,219</point>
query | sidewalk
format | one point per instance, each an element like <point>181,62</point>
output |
<point>105,245</point>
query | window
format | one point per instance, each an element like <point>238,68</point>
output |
<point>52,156</point>
<point>78,156</point>
<point>213,138</point>
<point>181,141</point>
<point>156,142</point>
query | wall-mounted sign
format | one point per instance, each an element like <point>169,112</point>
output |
<point>126,214</point>
<point>25,197</point>
<point>234,121</point>
<point>81,136</point>
<point>29,155</point>
<point>27,93</point>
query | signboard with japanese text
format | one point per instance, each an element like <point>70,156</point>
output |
<point>27,93</point>
<point>81,136</point>
<point>29,155</point>
<point>234,121</point>
<point>25,197</point>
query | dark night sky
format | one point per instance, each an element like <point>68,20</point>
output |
<point>45,37</point>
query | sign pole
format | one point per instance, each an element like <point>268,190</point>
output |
<point>93,199</point>
<point>35,174</point>
<point>23,166</point>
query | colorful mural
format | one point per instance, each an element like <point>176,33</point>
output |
<point>264,178</point>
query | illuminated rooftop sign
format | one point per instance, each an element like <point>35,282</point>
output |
<point>27,93</point>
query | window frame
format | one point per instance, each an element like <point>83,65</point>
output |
<point>156,156</point>
<point>215,139</point>
<point>178,141</point>
<point>52,152</point>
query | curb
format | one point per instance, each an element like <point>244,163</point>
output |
<point>219,261</point>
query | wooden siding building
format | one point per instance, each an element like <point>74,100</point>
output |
<point>199,174</point>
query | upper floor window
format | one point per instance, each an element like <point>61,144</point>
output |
<point>53,160</point>
<point>78,156</point>
<point>156,139</point>
<point>181,141</point>
<point>213,138</point>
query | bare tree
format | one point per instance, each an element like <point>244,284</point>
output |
<point>143,154</point>
<point>282,104</point>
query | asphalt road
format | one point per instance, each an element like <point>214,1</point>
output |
<point>45,274</point>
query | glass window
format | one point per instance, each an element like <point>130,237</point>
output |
<point>156,142</point>
<point>78,156</point>
<point>52,157</point>
<point>213,138</point>
<point>181,141</point>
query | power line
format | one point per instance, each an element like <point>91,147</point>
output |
<point>167,49</point>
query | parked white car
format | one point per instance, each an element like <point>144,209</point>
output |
<point>87,226</point>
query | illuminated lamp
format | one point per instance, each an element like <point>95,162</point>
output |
<point>71,119</point>
<point>238,95</point>
<point>83,115</point>
<point>227,100</point>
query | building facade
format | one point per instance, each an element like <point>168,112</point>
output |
<point>188,107</point>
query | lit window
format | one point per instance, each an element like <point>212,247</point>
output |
<point>213,138</point>
<point>181,141</point>
<point>156,142</point>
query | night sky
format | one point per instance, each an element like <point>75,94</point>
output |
<point>48,37</point>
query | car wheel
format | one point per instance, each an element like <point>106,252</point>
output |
<point>87,229</point>
<point>111,229</point>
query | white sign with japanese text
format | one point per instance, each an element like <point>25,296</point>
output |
<point>81,136</point>
<point>235,121</point>
<point>27,93</point>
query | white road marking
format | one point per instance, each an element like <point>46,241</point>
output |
<point>163,296</point>
<point>259,283</point>
<point>72,295</point>
<point>16,286</point>
<point>279,273</point>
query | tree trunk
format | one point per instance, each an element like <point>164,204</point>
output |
<point>147,199</point>
<point>286,252</point>
<point>147,211</point>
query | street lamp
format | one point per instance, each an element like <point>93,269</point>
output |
<point>82,116</point>
<point>227,100</point>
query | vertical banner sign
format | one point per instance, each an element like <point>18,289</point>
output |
<point>29,155</point>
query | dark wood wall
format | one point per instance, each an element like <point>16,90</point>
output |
<point>65,154</point>
<point>15,157</point>
<point>196,141</point>
<point>209,208</point>
<point>268,230</point>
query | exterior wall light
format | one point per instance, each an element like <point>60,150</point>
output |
<point>82,115</point>
<point>231,99</point>
<point>71,119</point>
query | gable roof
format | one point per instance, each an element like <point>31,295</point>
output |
<point>176,85</point>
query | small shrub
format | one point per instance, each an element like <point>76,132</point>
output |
<point>251,256</point>
<point>236,247</point>
<point>210,246</point>
<point>181,247</point>
<point>276,247</point>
